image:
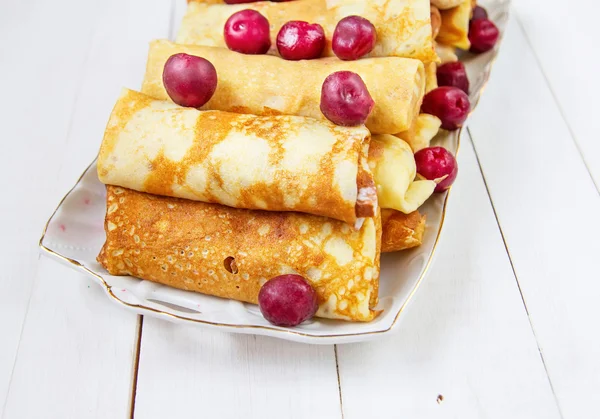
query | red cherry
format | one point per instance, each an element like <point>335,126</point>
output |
<point>450,104</point>
<point>353,38</point>
<point>483,35</point>
<point>345,99</point>
<point>435,163</point>
<point>479,13</point>
<point>287,300</point>
<point>298,40</point>
<point>453,74</point>
<point>240,1</point>
<point>189,80</point>
<point>247,31</point>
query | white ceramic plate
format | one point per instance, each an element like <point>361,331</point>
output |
<point>75,233</point>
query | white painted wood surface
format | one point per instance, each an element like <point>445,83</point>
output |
<point>185,370</point>
<point>64,64</point>
<point>549,212</point>
<point>468,336</point>
<point>564,42</point>
<point>465,337</point>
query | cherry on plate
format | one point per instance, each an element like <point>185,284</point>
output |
<point>479,13</point>
<point>189,80</point>
<point>299,40</point>
<point>435,163</point>
<point>345,99</point>
<point>353,38</point>
<point>453,74</point>
<point>450,104</point>
<point>483,35</point>
<point>247,31</point>
<point>287,300</point>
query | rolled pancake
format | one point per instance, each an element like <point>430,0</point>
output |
<point>267,85</point>
<point>454,30</point>
<point>403,26</point>
<point>231,253</point>
<point>420,134</point>
<point>440,4</point>
<point>401,231</point>
<point>393,165</point>
<point>275,163</point>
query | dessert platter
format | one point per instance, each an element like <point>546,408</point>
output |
<point>285,168</point>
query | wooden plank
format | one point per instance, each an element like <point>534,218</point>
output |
<point>464,348</point>
<point>77,349</point>
<point>42,63</point>
<point>76,354</point>
<point>548,210</point>
<point>563,38</point>
<point>185,370</point>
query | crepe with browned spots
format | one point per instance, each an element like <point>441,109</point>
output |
<point>401,231</point>
<point>230,253</point>
<point>275,163</point>
<point>267,85</point>
<point>403,26</point>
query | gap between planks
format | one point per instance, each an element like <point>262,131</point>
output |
<point>136,365</point>
<point>339,380</point>
<point>556,101</point>
<point>512,266</point>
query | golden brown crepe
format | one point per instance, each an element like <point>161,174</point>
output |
<point>401,231</point>
<point>231,253</point>
<point>267,85</point>
<point>454,30</point>
<point>403,26</point>
<point>276,163</point>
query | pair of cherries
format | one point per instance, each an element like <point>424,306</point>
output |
<point>191,81</point>
<point>247,31</point>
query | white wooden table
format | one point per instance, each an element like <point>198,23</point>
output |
<point>505,326</point>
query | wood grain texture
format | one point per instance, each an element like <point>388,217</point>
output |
<point>75,356</point>
<point>76,352</point>
<point>41,67</point>
<point>564,42</point>
<point>185,371</point>
<point>548,210</point>
<point>466,335</point>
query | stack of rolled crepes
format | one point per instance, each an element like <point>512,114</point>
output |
<point>257,183</point>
